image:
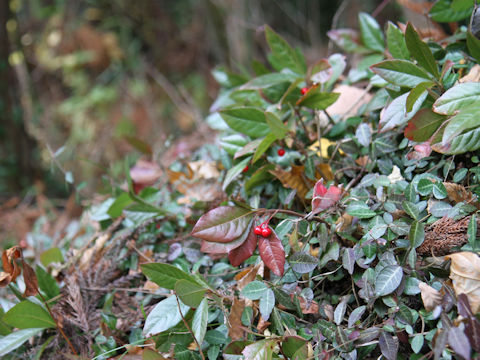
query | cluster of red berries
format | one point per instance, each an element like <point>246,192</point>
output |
<point>262,230</point>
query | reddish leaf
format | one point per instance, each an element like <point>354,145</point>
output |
<point>459,342</point>
<point>420,151</point>
<point>244,251</point>
<point>324,198</point>
<point>272,253</point>
<point>9,260</point>
<point>223,224</point>
<point>422,126</point>
<point>223,248</point>
<point>143,174</point>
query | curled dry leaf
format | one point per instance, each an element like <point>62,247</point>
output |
<point>249,274</point>
<point>10,258</point>
<point>294,179</point>
<point>430,297</point>
<point>465,275</point>
<point>324,198</point>
<point>235,328</point>
<point>457,193</point>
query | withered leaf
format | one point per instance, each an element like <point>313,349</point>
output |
<point>235,328</point>
<point>31,282</point>
<point>430,297</point>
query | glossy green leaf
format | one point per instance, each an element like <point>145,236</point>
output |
<point>190,293</point>
<point>50,256</point>
<point>417,343</point>
<point>467,119</point>
<point>318,100</point>
<point>295,347</point>
<point>460,175</point>
<point>364,134</point>
<point>302,262</point>
<point>411,209</point>
<point>423,125</point>
<point>396,42</point>
<point>276,125</point>
<point>223,224</point>
<point>360,210</point>
<point>16,339</point>
<point>261,176</point>
<point>395,114</point>
<point>473,44</point>
<point>401,72</point>
<point>416,93</point>
<point>260,350</point>
<point>268,80</point>
<point>425,187</point>
<point>264,146</point>
<point>267,302</point>
<point>165,315</point>
<point>469,141</point>
<point>200,321</point>
<point>235,171</point>
<point>233,143</point>
<point>254,290</point>
<point>417,234</point>
<point>246,120</point>
<point>283,54</point>
<point>372,35</point>
<point>439,190</point>
<point>472,229</point>
<point>420,51</point>
<point>356,315</point>
<point>442,11</point>
<point>165,275</point>
<point>388,280</point>
<point>26,315</point>
<point>457,98</point>
<point>47,283</point>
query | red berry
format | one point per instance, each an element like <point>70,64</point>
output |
<point>245,169</point>
<point>257,230</point>
<point>304,90</point>
<point>266,232</point>
<point>281,152</point>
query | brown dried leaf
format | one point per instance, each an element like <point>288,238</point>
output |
<point>262,325</point>
<point>472,76</point>
<point>31,282</point>
<point>343,222</point>
<point>249,274</point>
<point>324,171</point>
<point>465,274</point>
<point>235,328</point>
<point>430,297</point>
<point>10,265</point>
<point>457,193</point>
<point>294,179</point>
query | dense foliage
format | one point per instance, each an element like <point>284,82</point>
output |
<point>354,225</point>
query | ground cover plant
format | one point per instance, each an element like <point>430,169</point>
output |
<point>314,228</point>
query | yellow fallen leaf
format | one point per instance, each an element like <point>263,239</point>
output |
<point>321,147</point>
<point>465,275</point>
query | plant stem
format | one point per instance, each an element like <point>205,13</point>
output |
<point>189,329</point>
<point>58,325</point>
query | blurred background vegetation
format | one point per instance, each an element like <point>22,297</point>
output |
<point>87,86</point>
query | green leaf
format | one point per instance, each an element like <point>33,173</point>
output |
<point>165,275</point>
<point>268,80</point>
<point>416,93</point>
<point>396,42</point>
<point>410,209</point>
<point>439,190</point>
<point>16,339</point>
<point>364,134</point>
<point>264,146</point>
<point>276,125</point>
<point>417,234</point>
<point>200,320</point>
<point>26,315</point>
<point>50,256</point>
<point>360,210</point>
<point>47,283</point>
<point>235,171</point>
<point>442,11</point>
<point>295,347</point>
<point>267,302</point>
<point>318,100</point>
<point>472,229</point>
<point>467,119</point>
<point>164,315</point>
<point>120,203</point>
<point>417,343</point>
<point>456,98</point>
<point>356,315</point>
<point>261,176</point>
<point>283,55</point>
<point>423,125</point>
<point>190,293</point>
<point>223,224</point>
<point>401,72</point>
<point>420,51</point>
<point>460,175</point>
<point>473,45</point>
<point>388,280</point>
<point>260,350</point>
<point>425,187</point>
<point>470,141</point>
<point>254,290</point>
<point>246,120</point>
<point>233,143</point>
<point>303,263</point>
<point>372,35</point>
